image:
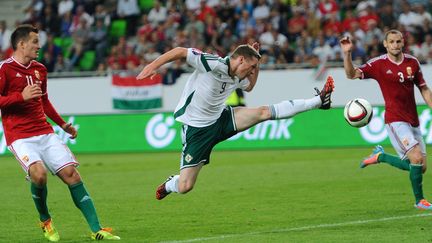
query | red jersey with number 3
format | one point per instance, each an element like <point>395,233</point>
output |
<point>23,119</point>
<point>396,81</point>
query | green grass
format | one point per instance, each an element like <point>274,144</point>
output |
<point>257,196</point>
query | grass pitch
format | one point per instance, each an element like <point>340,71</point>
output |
<point>255,196</point>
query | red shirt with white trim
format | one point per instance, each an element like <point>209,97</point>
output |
<point>396,81</point>
<point>23,119</point>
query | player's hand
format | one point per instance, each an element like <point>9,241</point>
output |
<point>256,46</point>
<point>148,71</point>
<point>67,127</point>
<point>31,91</point>
<point>346,44</point>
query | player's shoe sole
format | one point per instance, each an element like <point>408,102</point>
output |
<point>372,158</point>
<point>325,93</point>
<point>161,192</point>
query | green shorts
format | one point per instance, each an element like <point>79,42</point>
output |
<point>198,142</point>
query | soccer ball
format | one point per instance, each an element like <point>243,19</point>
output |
<point>358,112</point>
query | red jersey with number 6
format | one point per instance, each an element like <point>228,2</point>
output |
<point>396,81</point>
<point>23,119</point>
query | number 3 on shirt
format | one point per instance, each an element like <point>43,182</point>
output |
<point>401,77</point>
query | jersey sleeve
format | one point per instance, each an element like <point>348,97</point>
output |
<point>201,61</point>
<point>418,78</point>
<point>7,99</point>
<point>368,70</point>
<point>49,109</point>
<point>244,84</point>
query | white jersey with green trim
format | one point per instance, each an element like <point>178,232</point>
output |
<point>206,90</point>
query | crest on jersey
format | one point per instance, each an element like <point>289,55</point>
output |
<point>25,158</point>
<point>409,72</point>
<point>37,74</point>
<point>188,158</point>
<point>196,51</point>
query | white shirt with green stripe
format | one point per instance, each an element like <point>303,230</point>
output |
<point>206,90</point>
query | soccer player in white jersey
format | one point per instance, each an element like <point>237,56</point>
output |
<point>206,120</point>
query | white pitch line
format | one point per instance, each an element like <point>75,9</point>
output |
<point>319,226</point>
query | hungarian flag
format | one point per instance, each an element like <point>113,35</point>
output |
<point>129,93</point>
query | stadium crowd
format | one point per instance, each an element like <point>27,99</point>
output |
<point>128,34</point>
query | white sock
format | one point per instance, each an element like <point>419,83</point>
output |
<point>172,185</point>
<point>289,108</point>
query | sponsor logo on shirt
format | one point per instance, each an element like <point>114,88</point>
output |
<point>18,75</point>
<point>25,158</point>
<point>389,72</point>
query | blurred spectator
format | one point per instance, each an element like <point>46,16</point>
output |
<point>61,64</point>
<point>426,48</point>
<point>49,53</point>
<point>367,18</point>
<point>78,17</point>
<point>102,14</point>
<point>50,21</point>
<point>99,40</point>
<point>348,20</point>
<point>326,8</point>
<point>296,24</point>
<point>80,43</point>
<point>243,5</point>
<point>5,35</point>
<point>409,19</point>
<point>244,23</point>
<point>271,37</point>
<point>387,17</point>
<point>42,33</point>
<point>158,14</point>
<point>323,50</point>
<point>129,11</point>
<point>65,6</point>
<point>261,11</point>
<point>204,10</point>
<point>65,25</point>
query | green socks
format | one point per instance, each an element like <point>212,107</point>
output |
<point>83,201</point>
<point>415,172</point>
<point>394,161</point>
<point>416,177</point>
<point>39,195</point>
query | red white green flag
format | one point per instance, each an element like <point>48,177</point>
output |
<point>129,93</point>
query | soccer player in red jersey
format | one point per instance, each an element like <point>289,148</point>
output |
<point>24,103</point>
<point>397,73</point>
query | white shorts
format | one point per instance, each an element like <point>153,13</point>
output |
<point>404,137</point>
<point>47,148</point>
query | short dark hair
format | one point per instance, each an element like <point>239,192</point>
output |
<point>393,31</point>
<point>247,51</point>
<point>22,33</point>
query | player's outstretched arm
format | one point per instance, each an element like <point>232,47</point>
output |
<point>427,95</point>
<point>172,55</point>
<point>346,47</point>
